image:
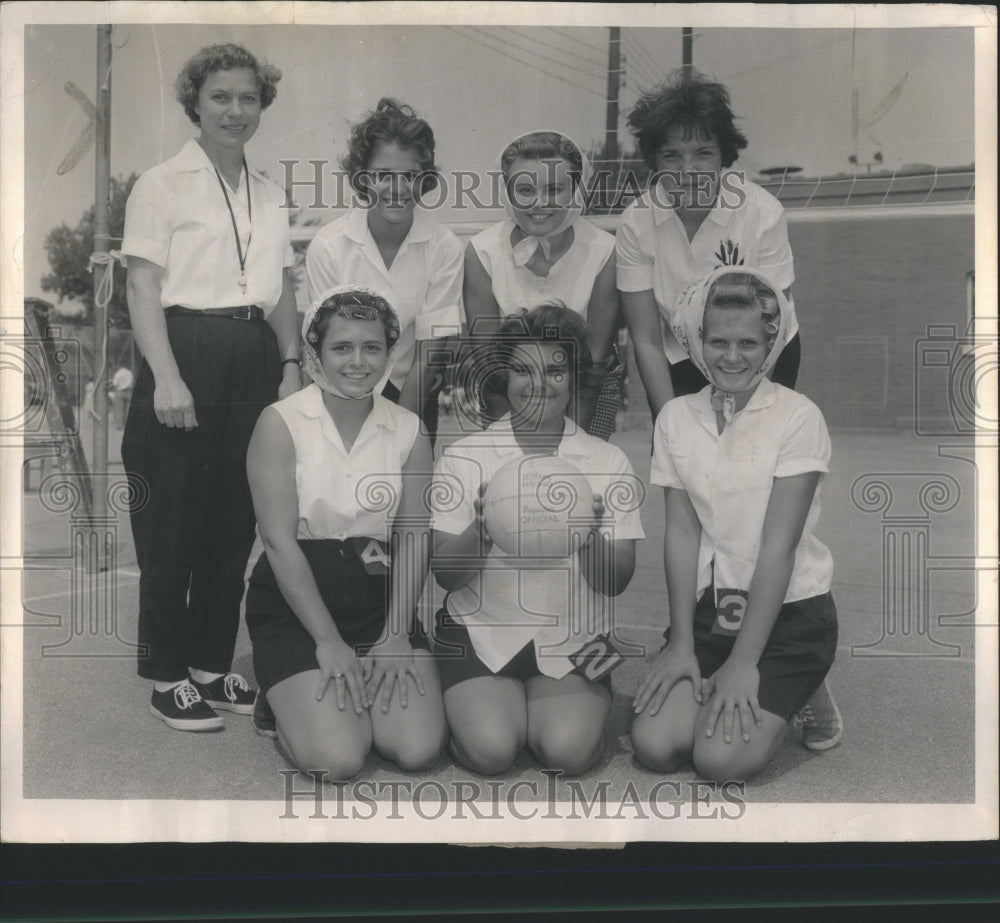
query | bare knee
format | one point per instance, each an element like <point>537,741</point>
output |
<point>569,749</point>
<point>718,761</point>
<point>333,761</point>
<point>659,747</point>
<point>419,749</point>
<point>488,754</point>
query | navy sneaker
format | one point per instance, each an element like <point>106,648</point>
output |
<point>263,718</point>
<point>229,692</point>
<point>183,709</point>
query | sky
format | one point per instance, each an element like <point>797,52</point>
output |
<point>479,86</point>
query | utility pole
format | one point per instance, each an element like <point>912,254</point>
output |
<point>102,205</point>
<point>687,47</point>
<point>614,83</point>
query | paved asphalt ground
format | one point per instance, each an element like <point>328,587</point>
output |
<point>88,732</point>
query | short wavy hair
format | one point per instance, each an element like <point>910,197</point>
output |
<point>741,290</point>
<point>551,322</point>
<point>543,145</point>
<point>690,101</point>
<point>223,57</point>
<point>391,122</point>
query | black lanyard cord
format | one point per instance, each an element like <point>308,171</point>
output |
<point>239,249</point>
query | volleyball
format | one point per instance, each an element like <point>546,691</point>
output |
<point>531,504</point>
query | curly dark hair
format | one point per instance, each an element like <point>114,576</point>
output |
<point>224,57</point>
<point>543,145</point>
<point>692,102</point>
<point>390,122</point>
<point>357,305</point>
<point>551,322</point>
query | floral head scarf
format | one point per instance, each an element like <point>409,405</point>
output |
<point>525,249</point>
<point>357,302</point>
<point>687,321</point>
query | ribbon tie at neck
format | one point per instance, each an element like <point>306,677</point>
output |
<point>525,249</point>
<point>724,402</point>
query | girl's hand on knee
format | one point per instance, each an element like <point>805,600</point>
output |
<point>387,664</point>
<point>673,664</point>
<point>733,691</point>
<point>337,663</point>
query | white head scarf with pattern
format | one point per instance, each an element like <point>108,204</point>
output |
<point>687,317</point>
<point>311,338</point>
<point>525,249</point>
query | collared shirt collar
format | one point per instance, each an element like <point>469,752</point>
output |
<point>357,227</point>
<point>571,446</point>
<point>764,396</point>
<point>312,406</point>
<point>718,214</point>
<point>192,158</point>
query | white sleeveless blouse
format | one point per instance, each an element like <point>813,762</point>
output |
<point>347,494</point>
<point>570,280</point>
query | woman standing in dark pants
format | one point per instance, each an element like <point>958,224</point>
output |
<point>212,305</point>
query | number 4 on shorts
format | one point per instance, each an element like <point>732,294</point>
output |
<point>375,557</point>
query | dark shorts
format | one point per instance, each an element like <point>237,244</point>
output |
<point>457,660</point>
<point>355,599</point>
<point>796,658</point>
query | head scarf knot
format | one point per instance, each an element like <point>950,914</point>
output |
<point>526,248</point>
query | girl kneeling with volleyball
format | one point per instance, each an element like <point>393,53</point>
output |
<point>338,475</point>
<point>535,525</point>
<point>753,628</point>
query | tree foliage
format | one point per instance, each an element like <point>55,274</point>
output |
<point>69,251</point>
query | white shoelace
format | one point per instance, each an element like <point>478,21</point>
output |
<point>803,718</point>
<point>185,695</point>
<point>232,682</point>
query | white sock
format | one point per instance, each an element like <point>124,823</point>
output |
<point>203,676</point>
<point>166,687</point>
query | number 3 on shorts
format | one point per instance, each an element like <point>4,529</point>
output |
<point>730,607</point>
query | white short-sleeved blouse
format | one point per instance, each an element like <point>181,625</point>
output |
<point>555,608</point>
<point>423,284</point>
<point>729,478</point>
<point>747,227</point>
<point>176,217</point>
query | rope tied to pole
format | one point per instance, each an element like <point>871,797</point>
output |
<point>106,288</point>
<point>102,298</point>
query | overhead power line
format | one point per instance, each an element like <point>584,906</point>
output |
<point>573,38</point>
<point>530,64</point>
<point>549,47</point>
<point>587,72</point>
<point>819,46</point>
<point>633,65</point>
<point>645,58</point>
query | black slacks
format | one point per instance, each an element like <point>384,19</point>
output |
<point>191,511</point>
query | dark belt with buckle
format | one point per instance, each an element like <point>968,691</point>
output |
<point>240,312</point>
